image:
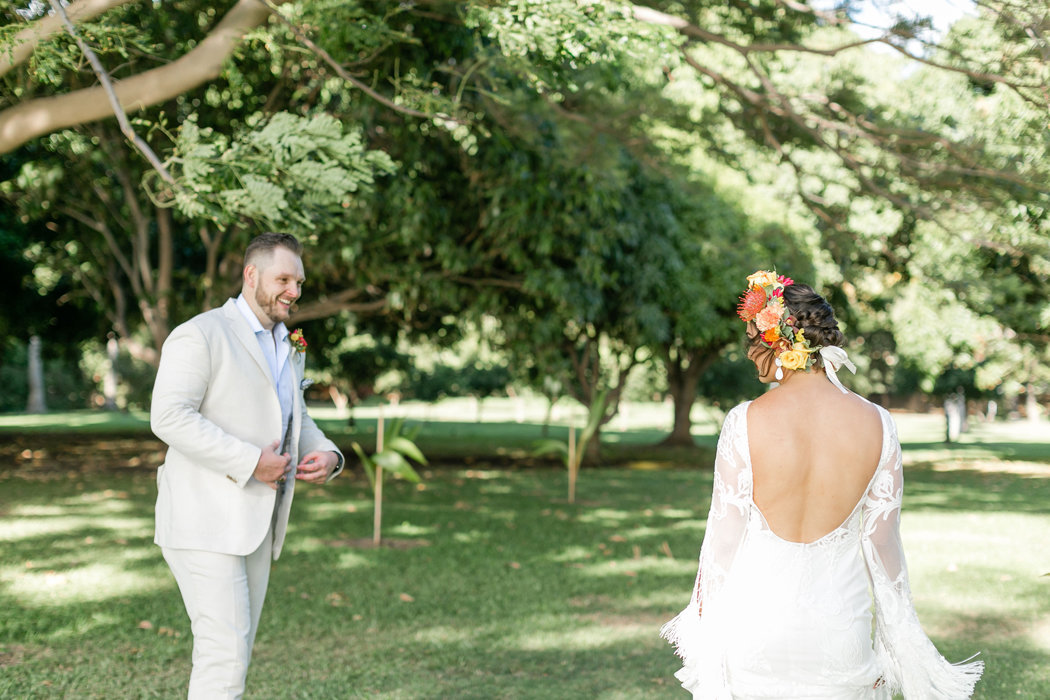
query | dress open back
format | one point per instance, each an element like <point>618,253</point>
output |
<point>772,618</point>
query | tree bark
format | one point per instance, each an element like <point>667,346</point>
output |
<point>683,376</point>
<point>1031,404</point>
<point>110,379</point>
<point>37,402</point>
<point>204,63</point>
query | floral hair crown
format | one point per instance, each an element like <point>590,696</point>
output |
<point>763,303</point>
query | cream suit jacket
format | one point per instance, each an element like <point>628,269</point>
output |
<point>215,406</point>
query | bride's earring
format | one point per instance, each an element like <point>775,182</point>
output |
<point>780,369</point>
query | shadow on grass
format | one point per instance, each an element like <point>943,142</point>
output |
<point>518,595</point>
<point>929,486</point>
<point>984,449</point>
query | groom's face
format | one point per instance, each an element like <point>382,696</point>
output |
<point>278,284</point>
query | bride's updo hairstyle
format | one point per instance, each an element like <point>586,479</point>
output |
<point>814,315</point>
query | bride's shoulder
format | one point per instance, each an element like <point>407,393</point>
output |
<point>737,413</point>
<point>736,419</point>
<point>866,405</point>
<point>855,415</point>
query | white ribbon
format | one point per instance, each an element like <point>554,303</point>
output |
<point>834,358</point>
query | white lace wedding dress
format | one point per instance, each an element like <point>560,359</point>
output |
<point>785,619</point>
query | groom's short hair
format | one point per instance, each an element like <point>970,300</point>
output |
<point>265,243</point>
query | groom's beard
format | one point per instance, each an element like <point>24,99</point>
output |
<point>273,308</point>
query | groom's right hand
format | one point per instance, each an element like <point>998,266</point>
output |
<point>272,466</point>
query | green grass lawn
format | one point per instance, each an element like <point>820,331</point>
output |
<point>498,588</point>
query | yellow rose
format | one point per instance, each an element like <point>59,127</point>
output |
<point>794,359</point>
<point>762,278</point>
<point>801,343</point>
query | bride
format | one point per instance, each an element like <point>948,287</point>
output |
<point>803,533</point>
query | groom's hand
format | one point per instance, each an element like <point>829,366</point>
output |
<point>271,466</point>
<point>316,467</point>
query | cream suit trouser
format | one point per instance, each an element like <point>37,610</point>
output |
<point>224,595</point>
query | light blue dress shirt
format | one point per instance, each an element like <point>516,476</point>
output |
<point>277,351</point>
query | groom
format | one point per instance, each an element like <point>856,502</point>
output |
<point>228,403</point>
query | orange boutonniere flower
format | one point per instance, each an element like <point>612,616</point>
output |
<point>297,340</point>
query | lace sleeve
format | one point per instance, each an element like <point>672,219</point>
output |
<point>694,631</point>
<point>910,663</point>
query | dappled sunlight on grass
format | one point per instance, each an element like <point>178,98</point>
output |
<point>408,530</point>
<point>75,419</point>
<point>515,593</point>
<point>593,636</point>
<point>444,634</point>
<point>606,516</point>
<point>28,526</point>
<point>93,582</point>
<point>469,537</point>
<point>351,560</point>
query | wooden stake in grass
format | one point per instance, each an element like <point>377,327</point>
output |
<point>574,465</point>
<point>378,517</point>
<point>574,452</point>
<point>392,449</point>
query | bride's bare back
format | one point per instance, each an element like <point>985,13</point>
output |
<point>813,453</point>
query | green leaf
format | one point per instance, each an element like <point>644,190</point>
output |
<point>396,464</point>
<point>546,447</point>
<point>406,447</point>
<point>367,463</point>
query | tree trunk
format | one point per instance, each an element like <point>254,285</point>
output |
<point>1031,404</point>
<point>110,380</point>
<point>548,415</point>
<point>683,376</point>
<point>36,402</point>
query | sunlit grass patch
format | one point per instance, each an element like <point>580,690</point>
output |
<point>516,593</point>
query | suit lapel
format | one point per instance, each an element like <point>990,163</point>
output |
<point>243,333</point>
<point>297,360</point>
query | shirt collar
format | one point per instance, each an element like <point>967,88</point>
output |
<point>280,331</point>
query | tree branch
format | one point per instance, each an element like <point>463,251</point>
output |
<point>25,42</point>
<point>28,120</point>
<point>107,85</point>
<point>343,73</point>
<point>334,303</point>
<point>685,28</point>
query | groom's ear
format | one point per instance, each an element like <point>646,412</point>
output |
<point>250,276</point>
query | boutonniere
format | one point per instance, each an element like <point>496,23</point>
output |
<point>297,340</point>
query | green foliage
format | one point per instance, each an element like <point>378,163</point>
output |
<point>730,380</point>
<point>577,180</point>
<point>66,386</point>
<point>284,172</point>
<point>398,448</point>
<point>595,414</point>
<point>470,379</point>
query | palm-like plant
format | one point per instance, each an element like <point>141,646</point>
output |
<point>572,453</point>
<point>393,450</point>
